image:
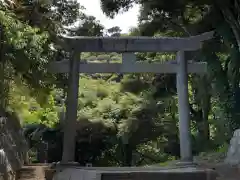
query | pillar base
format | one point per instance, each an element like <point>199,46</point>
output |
<point>69,164</point>
<point>63,165</point>
<point>186,164</point>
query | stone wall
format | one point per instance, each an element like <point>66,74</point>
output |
<point>233,154</point>
<point>13,146</point>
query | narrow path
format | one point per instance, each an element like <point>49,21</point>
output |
<point>36,172</point>
<point>32,173</point>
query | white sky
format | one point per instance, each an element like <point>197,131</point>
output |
<point>124,21</point>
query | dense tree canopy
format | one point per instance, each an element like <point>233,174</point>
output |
<point>185,18</point>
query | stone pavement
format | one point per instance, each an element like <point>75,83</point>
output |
<point>31,173</point>
<point>134,173</point>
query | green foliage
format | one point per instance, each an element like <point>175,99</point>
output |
<point>24,54</point>
<point>28,108</point>
<point>133,84</point>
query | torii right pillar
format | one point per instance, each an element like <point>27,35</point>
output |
<point>183,109</point>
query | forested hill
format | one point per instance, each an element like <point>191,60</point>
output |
<point>123,119</point>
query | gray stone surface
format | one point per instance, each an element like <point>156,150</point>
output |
<point>134,44</point>
<point>134,173</point>
<point>233,154</point>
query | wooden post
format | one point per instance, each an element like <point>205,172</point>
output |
<point>71,110</point>
<point>183,108</point>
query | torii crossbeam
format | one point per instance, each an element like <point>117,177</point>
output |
<point>126,46</point>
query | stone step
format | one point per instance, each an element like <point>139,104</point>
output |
<point>167,175</point>
<point>76,173</point>
<point>26,173</point>
<point>31,173</point>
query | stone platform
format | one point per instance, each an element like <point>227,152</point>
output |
<point>134,173</point>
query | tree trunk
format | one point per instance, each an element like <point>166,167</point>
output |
<point>231,14</point>
<point>202,125</point>
<point>3,85</point>
<point>205,112</point>
<point>127,155</point>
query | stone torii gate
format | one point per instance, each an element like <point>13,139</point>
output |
<point>127,46</point>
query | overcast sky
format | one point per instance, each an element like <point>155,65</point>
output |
<point>124,21</point>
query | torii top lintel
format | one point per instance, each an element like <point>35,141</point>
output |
<point>134,44</point>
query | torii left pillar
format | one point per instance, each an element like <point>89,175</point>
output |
<point>71,111</point>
